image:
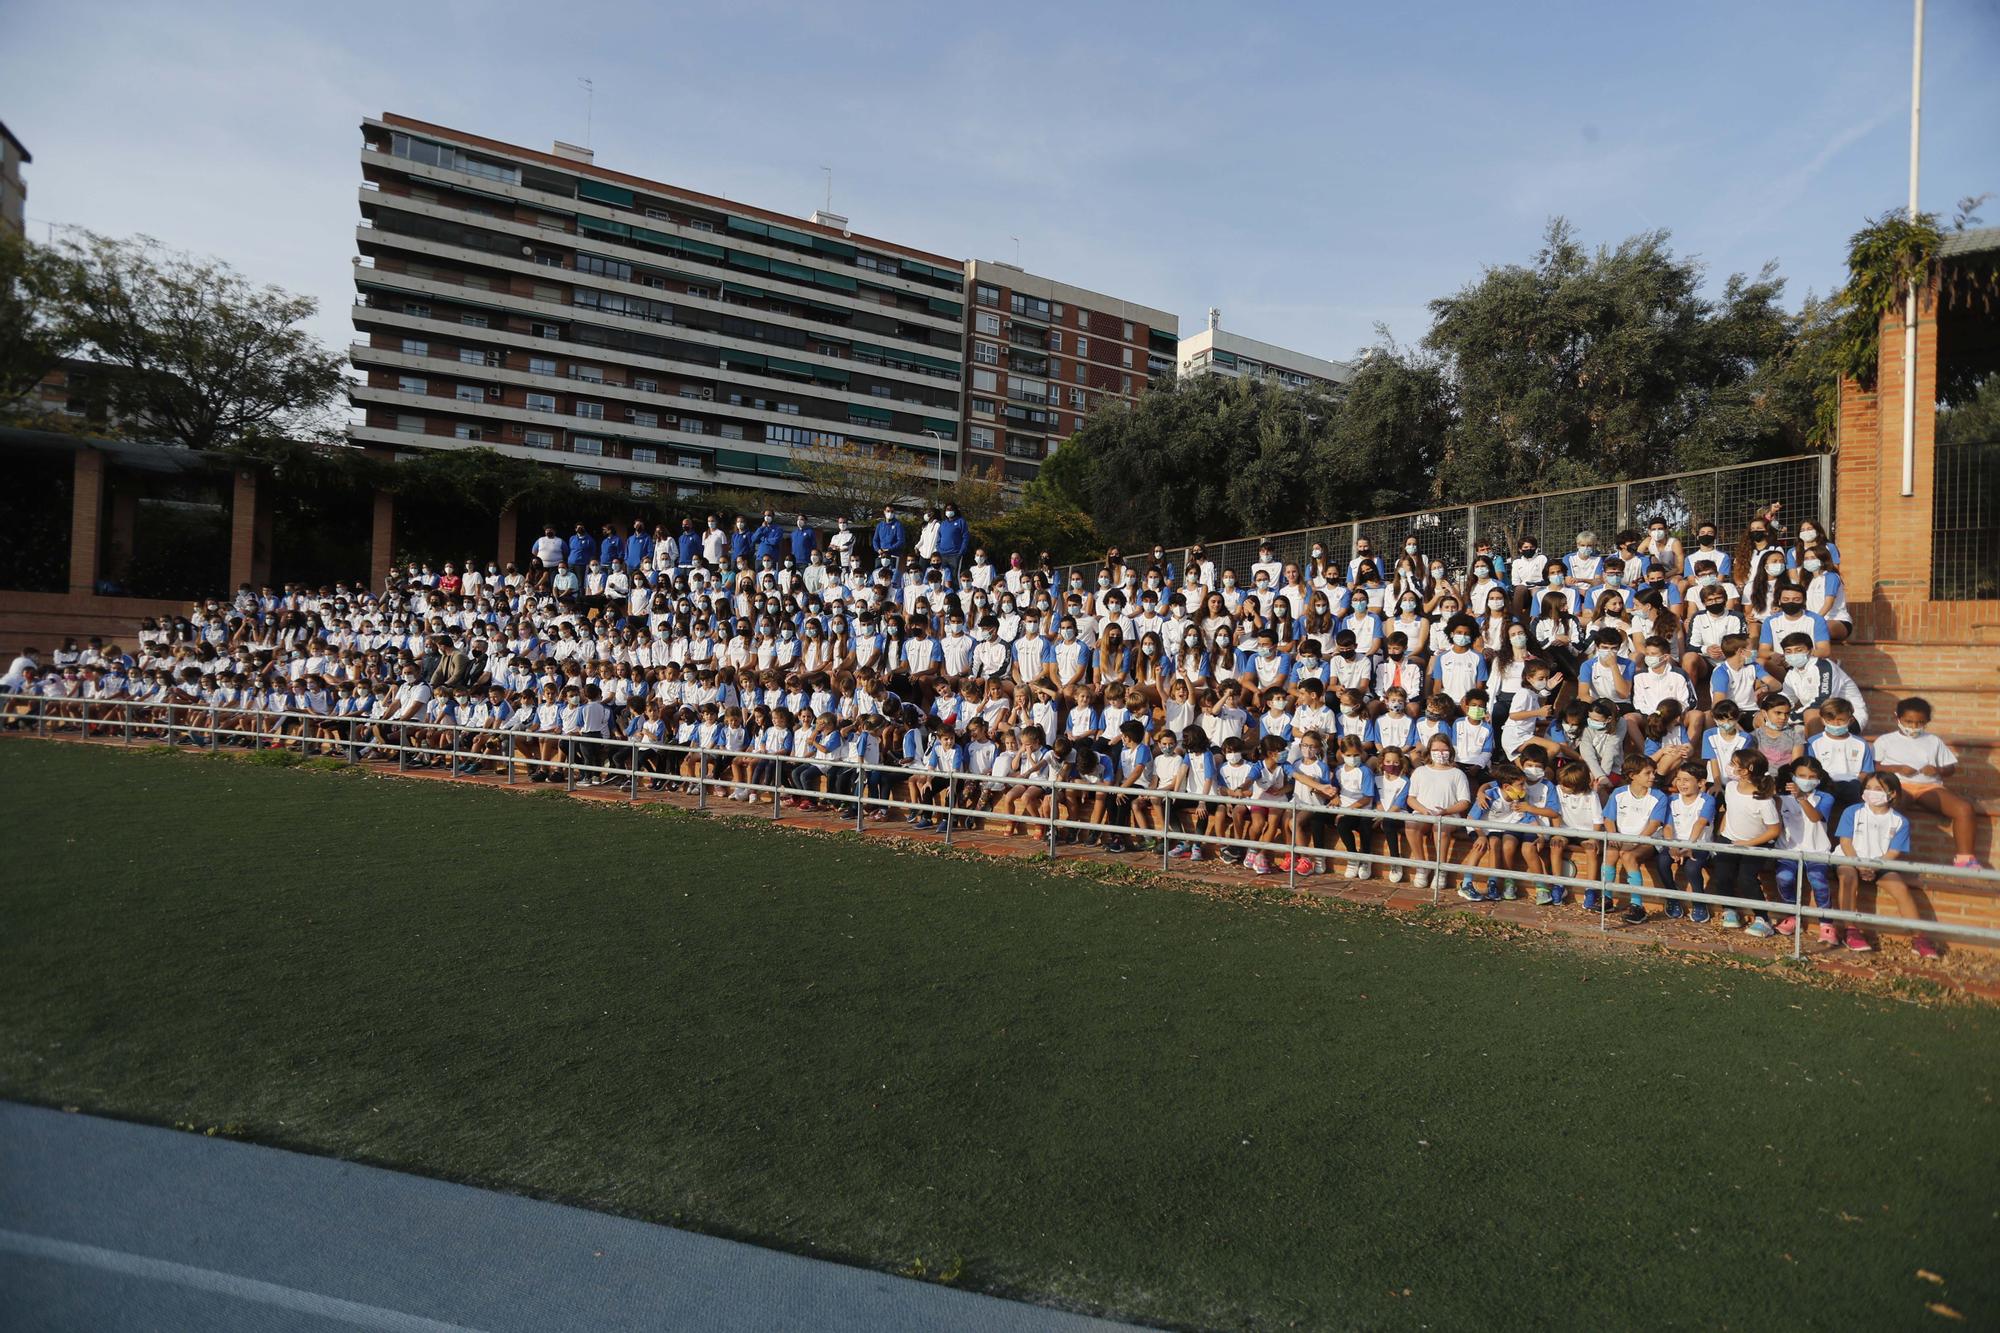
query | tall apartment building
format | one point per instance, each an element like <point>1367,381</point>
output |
<point>1216,351</point>
<point>1041,356</point>
<point>644,335</point>
<point>13,187</point>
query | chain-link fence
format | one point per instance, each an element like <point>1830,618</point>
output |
<point>1725,496</point>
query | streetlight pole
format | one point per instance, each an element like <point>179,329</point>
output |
<point>939,437</point>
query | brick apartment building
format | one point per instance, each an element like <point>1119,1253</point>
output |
<point>646,336</point>
<point>1041,356</point>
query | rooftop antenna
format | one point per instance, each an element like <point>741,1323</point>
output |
<point>1017,250</point>
<point>829,186</point>
<point>589,107</point>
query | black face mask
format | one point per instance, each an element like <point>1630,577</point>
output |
<point>1791,608</point>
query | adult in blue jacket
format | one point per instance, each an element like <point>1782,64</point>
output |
<point>889,538</point>
<point>739,542</point>
<point>805,540</point>
<point>767,538</point>
<point>688,545</point>
<point>609,547</point>
<point>637,546</point>
<point>582,550</point>
<point>953,535</point>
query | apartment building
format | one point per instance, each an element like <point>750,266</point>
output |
<point>646,336</point>
<point>13,186</point>
<point>1216,351</point>
<point>1041,356</point>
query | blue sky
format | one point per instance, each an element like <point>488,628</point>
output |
<point>1311,169</point>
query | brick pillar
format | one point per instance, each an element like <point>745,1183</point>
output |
<point>86,508</point>
<point>382,539</point>
<point>243,530</point>
<point>509,536</point>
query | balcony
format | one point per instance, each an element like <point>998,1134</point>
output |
<point>1024,364</point>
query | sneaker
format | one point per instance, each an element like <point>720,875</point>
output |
<point>1261,864</point>
<point>925,826</point>
<point>1925,949</point>
<point>1633,915</point>
<point>1759,929</point>
<point>1319,865</point>
<point>1732,919</point>
<point>1196,854</point>
<point>1421,879</point>
<point>1787,926</point>
<point>1543,897</point>
<point>1470,894</point>
<point>1178,851</point>
<point>1858,943</point>
<point>1700,915</point>
<point>1558,894</point>
<point>1395,874</point>
<point>1829,933</point>
<point>1231,855</point>
<point>1673,909</point>
<point>1305,865</point>
<point>1356,871</point>
<point>1590,900</point>
<point>1510,892</point>
<point>1284,862</point>
<point>1966,862</point>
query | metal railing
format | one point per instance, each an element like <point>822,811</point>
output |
<point>1965,523</point>
<point>847,784</point>
<point>1724,496</point>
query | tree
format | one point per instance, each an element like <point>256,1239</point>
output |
<point>1038,525</point>
<point>37,324</point>
<point>1381,447</point>
<point>205,356</point>
<point>854,482</point>
<point>1587,366</point>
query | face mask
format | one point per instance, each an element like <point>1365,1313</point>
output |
<point>1318,554</point>
<point>1797,660</point>
<point>1586,550</point>
<point>1437,571</point>
<point>1911,729</point>
<point>1533,772</point>
<point>1069,634</point>
<point>1351,760</point>
<point>1655,659</point>
<point>1877,798</point>
<point>1806,785</point>
<point>1409,603</point>
<point>1461,640</point>
<point>1659,534</point>
<point>1410,547</point>
<point>1598,724</point>
<point>1442,758</point>
<point>1836,729</point>
<point>1476,714</point>
<point>1814,564</point>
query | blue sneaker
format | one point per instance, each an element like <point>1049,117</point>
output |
<point>1673,909</point>
<point>925,826</point>
<point>1558,895</point>
<point>1760,929</point>
<point>1700,914</point>
<point>1731,919</point>
<point>1590,900</point>
<point>1470,894</point>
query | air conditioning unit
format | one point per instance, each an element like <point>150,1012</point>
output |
<point>528,250</point>
<point>708,393</point>
<point>629,414</point>
<point>494,391</point>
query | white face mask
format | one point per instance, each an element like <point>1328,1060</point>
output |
<point>1796,660</point>
<point>1876,798</point>
<point>1911,729</point>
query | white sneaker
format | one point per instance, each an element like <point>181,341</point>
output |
<point>1396,875</point>
<point>1354,871</point>
<point>1319,865</point>
<point>1421,879</point>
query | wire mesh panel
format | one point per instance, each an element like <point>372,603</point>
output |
<point>1741,493</point>
<point>1965,523</point>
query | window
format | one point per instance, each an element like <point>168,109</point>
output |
<point>471,393</point>
<point>590,411</point>
<point>473,321</point>
<point>541,330</point>
<point>410,422</point>
<point>689,391</point>
<point>465,432</point>
<point>641,454</point>
<point>982,437</point>
<point>986,295</point>
<point>985,381</point>
<point>982,407</point>
<point>986,354</point>
<point>589,374</point>
<point>650,420</point>
<point>1082,318</point>
<point>412,384</point>
<point>586,444</point>
<point>822,439</point>
<point>413,308</point>
<point>881,391</point>
<point>590,481</point>
<point>1083,347</point>
<point>644,487</point>
<point>985,321</point>
<point>701,293</point>
<point>541,365</point>
<point>416,347</point>
<point>1055,340</point>
<point>730,430</point>
<point>646,386</point>
<point>1126,354</point>
<point>1076,399</point>
<point>696,224</point>
<point>539,439</point>
<point>541,402</point>
<point>472,356</point>
<point>1128,330</point>
<point>1125,385</point>
<point>693,425</point>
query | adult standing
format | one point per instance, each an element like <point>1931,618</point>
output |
<point>805,540</point>
<point>953,536</point>
<point>889,539</point>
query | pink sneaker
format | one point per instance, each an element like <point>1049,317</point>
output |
<point>1925,949</point>
<point>1967,862</point>
<point>1260,863</point>
<point>1788,925</point>
<point>1858,943</point>
<point>1305,865</point>
<point>1828,933</point>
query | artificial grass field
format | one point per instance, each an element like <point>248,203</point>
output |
<point>1158,1105</point>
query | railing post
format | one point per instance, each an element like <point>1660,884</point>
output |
<point>1052,819</point>
<point>172,739</point>
<point>510,759</point>
<point>1292,852</point>
<point>1437,857</point>
<point>454,748</point>
<point>860,790</point>
<point>633,792</point>
<point>214,723</point>
<point>1471,534</point>
<point>402,749</point>
<point>1823,502</point>
<point>1166,827</point>
<point>1799,907</point>
<point>126,708</point>
<point>950,804</point>
<point>1624,506</point>
<point>777,788</point>
<point>700,781</point>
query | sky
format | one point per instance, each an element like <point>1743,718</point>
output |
<point>1313,170</point>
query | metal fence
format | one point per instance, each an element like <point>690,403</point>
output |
<point>865,791</point>
<point>1965,523</point>
<point>1725,496</point>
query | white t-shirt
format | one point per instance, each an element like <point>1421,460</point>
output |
<point>1915,752</point>
<point>1439,788</point>
<point>1745,816</point>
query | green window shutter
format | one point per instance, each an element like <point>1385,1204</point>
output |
<point>745,360</point>
<point>604,194</point>
<point>776,467</point>
<point>736,460</point>
<point>704,249</point>
<point>742,259</point>
<point>797,238</point>
<point>740,290</point>
<point>948,429</point>
<point>837,281</point>
<point>785,269</point>
<point>747,227</point>
<point>600,225</point>
<point>832,247</point>
<point>780,364</point>
<point>944,307</point>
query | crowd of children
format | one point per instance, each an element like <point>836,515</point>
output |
<point>1663,687</point>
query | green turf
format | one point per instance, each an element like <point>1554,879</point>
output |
<point>1155,1104</point>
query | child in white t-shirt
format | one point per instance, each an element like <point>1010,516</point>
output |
<point>1922,763</point>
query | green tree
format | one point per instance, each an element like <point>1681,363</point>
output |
<point>1590,365</point>
<point>38,328</point>
<point>1382,445</point>
<point>204,356</point>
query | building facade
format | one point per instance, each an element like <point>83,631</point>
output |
<point>13,186</point>
<point>645,336</point>
<point>1215,351</point>
<point>1041,356</point>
